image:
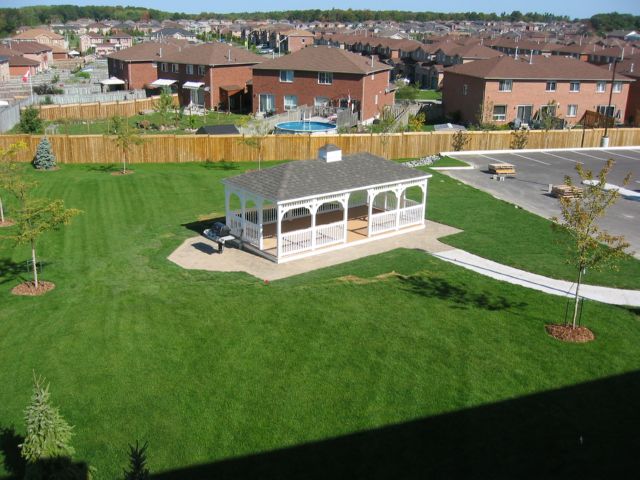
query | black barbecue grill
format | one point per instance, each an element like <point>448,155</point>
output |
<point>219,233</point>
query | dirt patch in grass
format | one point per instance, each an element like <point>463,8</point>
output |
<point>120,172</point>
<point>365,281</point>
<point>29,288</point>
<point>566,333</point>
<point>6,223</point>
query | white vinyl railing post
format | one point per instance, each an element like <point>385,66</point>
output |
<point>370,199</point>
<point>260,223</point>
<point>279,231</point>
<point>345,217</point>
<point>398,193</point>
<point>313,209</point>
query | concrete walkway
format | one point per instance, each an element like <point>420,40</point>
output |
<point>198,253</point>
<point>613,296</point>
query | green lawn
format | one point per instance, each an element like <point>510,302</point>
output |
<point>505,233</point>
<point>442,162</point>
<point>102,126</point>
<point>432,366</point>
<point>412,93</point>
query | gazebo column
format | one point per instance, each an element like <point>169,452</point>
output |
<point>424,200</point>
<point>227,198</point>
<point>398,192</point>
<point>313,208</point>
<point>279,231</point>
<point>370,198</point>
<point>243,211</point>
<point>345,216</point>
<point>259,205</point>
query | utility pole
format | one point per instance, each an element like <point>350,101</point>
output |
<point>604,141</point>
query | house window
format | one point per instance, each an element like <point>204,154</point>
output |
<point>505,85</point>
<point>465,89</point>
<point>574,86</point>
<point>607,110</point>
<point>286,76</point>
<point>325,78</point>
<point>572,110</point>
<point>548,110</point>
<point>499,113</point>
<point>163,67</point>
<point>551,86</point>
<point>189,69</point>
<point>174,68</point>
<point>617,87</point>
<point>267,103</point>
<point>290,102</point>
<point>201,70</point>
<point>601,87</point>
<point>321,102</point>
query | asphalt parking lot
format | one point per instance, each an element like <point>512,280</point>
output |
<point>536,170</point>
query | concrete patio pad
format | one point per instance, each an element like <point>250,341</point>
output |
<point>199,253</point>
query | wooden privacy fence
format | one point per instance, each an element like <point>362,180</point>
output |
<point>92,111</point>
<point>190,148</point>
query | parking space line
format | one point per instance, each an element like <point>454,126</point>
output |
<point>609,152</point>
<point>587,155</point>
<point>529,158</point>
<point>492,158</point>
<point>562,158</point>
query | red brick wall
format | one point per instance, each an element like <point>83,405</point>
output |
<point>306,87</point>
<point>523,93</point>
<point>298,43</point>
<point>138,74</point>
<point>453,100</point>
<point>632,112</point>
<point>229,75</point>
<point>20,71</point>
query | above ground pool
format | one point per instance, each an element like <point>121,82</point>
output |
<point>305,127</point>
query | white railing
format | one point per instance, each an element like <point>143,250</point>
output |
<point>297,213</point>
<point>329,234</point>
<point>269,215</point>
<point>296,241</point>
<point>234,223</point>
<point>411,215</point>
<point>252,233</point>
<point>409,203</point>
<point>329,207</point>
<point>382,222</point>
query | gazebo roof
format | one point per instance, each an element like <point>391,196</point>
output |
<point>309,178</point>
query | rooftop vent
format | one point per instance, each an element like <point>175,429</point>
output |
<point>330,153</point>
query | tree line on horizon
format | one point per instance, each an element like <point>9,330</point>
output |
<point>13,18</point>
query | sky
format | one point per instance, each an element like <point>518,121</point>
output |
<point>572,8</point>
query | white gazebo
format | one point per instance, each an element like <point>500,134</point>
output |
<point>305,208</point>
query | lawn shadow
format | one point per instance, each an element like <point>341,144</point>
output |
<point>13,462</point>
<point>112,167</point>
<point>220,165</point>
<point>200,226</point>
<point>11,271</point>
<point>583,431</point>
<point>434,287</point>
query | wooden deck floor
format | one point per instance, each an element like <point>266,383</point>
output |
<point>356,226</point>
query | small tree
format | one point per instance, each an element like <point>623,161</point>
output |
<point>519,139</point>
<point>254,131</point>
<point>590,246</point>
<point>30,121</point>
<point>8,171</point>
<point>164,107</point>
<point>36,216</point>
<point>125,138</point>
<point>416,122</point>
<point>48,434</point>
<point>459,140</point>
<point>44,159</point>
<point>137,469</point>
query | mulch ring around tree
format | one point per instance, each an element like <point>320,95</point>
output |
<point>29,288</point>
<point>120,172</point>
<point>6,223</point>
<point>567,334</point>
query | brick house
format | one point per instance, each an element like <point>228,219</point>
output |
<point>90,40</point>
<point>323,76</point>
<point>631,68</point>
<point>35,51</point>
<point>138,65</point>
<point>42,36</point>
<point>507,89</point>
<point>296,40</point>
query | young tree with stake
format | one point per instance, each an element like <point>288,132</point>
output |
<point>35,216</point>
<point>591,247</point>
<point>125,138</point>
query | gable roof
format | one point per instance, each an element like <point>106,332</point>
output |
<point>29,47</point>
<point>145,52</point>
<point>306,178</point>
<point>541,68</point>
<point>36,32</point>
<point>325,59</point>
<point>214,54</point>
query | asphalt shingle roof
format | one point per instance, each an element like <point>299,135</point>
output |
<point>307,178</point>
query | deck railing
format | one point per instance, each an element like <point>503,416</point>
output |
<point>383,222</point>
<point>330,234</point>
<point>411,215</point>
<point>234,222</point>
<point>296,241</point>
